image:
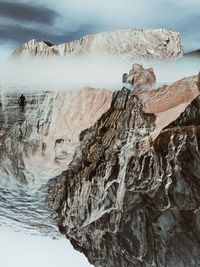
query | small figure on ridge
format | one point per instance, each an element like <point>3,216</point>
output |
<point>22,102</point>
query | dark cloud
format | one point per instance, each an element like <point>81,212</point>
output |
<point>15,31</point>
<point>23,12</point>
<point>17,35</point>
<point>24,21</point>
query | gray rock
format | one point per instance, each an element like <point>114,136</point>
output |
<point>127,200</point>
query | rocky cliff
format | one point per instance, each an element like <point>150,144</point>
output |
<point>127,165</point>
<point>38,144</point>
<point>130,197</point>
<point>130,43</point>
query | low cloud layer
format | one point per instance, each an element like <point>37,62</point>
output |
<point>34,250</point>
<point>76,72</point>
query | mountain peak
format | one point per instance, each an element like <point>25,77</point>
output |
<point>129,43</point>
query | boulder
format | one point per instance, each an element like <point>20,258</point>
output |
<point>139,77</point>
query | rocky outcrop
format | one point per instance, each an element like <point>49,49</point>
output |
<point>129,193</point>
<point>168,102</point>
<point>139,77</point>
<point>130,43</point>
<point>128,199</point>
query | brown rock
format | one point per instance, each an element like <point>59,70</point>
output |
<point>168,102</point>
<point>198,82</point>
<point>139,77</point>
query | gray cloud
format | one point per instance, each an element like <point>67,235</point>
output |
<point>64,21</point>
<point>25,12</point>
<point>20,22</point>
<point>18,34</point>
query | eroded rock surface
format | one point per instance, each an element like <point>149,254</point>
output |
<point>42,141</point>
<point>128,199</point>
<point>131,43</point>
<point>139,77</point>
<point>129,195</point>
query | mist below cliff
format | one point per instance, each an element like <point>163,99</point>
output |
<point>76,72</point>
<point>29,250</point>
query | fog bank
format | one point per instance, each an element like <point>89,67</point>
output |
<point>76,72</point>
<point>21,250</point>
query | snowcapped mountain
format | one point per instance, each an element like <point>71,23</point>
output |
<point>130,43</point>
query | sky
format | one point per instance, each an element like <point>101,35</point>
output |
<point>63,21</point>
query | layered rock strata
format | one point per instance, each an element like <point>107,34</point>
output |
<point>128,199</point>
<point>129,195</point>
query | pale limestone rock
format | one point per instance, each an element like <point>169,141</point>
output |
<point>129,43</point>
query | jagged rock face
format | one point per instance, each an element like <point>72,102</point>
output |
<point>198,80</point>
<point>139,77</point>
<point>42,141</point>
<point>150,44</point>
<point>128,200</point>
<point>34,48</point>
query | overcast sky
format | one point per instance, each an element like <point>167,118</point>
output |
<point>62,21</point>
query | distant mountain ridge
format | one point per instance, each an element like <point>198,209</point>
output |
<point>195,53</point>
<point>133,43</point>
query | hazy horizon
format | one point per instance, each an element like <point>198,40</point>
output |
<point>29,250</point>
<point>74,72</point>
